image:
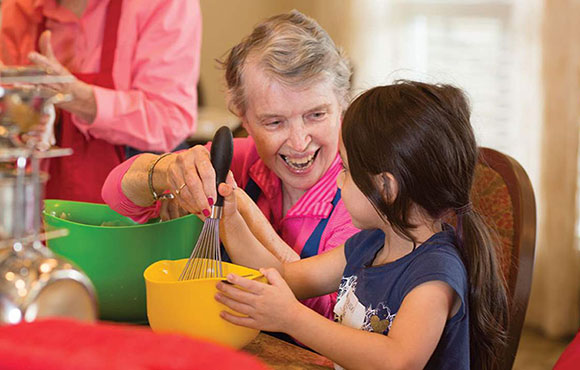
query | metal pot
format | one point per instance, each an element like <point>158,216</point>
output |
<point>35,284</point>
<point>19,215</point>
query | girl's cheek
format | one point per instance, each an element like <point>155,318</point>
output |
<point>340,179</point>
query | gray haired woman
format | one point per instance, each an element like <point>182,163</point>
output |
<point>289,85</point>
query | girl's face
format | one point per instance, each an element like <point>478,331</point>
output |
<point>295,128</point>
<point>362,213</point>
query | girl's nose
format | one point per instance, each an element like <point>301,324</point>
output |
<point>299,137</point>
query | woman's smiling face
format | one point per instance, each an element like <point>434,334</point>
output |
<point>295,128</point>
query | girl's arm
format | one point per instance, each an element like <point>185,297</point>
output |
<point>411,341</point>
<point>254,247</point>
<point>262,229</point>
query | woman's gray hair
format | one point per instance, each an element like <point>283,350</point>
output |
<point>291,48</point>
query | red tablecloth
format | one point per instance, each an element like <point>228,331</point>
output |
<point>67,344</point>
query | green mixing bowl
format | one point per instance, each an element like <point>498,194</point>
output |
<point>114,251</point>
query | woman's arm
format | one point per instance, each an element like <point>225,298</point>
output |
<point>157,110</point>
<point>410,343</point>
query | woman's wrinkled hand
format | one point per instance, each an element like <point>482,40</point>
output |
<point>171,209</point>
<point>260,306</point>
<point>191,177</point>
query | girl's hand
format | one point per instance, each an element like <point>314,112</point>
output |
<point>231,193</point>
<point>270,307</point>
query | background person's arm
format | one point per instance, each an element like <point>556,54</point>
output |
<point>159,109</point>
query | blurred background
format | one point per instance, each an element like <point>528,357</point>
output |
<point>518,60</point>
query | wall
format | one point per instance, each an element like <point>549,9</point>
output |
<point>226,22</point>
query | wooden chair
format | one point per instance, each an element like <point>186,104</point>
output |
<point>503,195</point>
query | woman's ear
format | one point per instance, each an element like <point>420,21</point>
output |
<point>246,126</point>
<point>389,186</point>
<point>236,111</point>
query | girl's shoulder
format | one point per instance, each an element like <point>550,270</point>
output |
<point>372,239</point>
<point>440,248</point>
<point>437,259</point>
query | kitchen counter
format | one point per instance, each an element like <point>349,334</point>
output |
<point>279,354</point>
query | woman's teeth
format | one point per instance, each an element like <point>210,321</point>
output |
<point>300,163</point>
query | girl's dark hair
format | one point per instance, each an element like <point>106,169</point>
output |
<point>421,134</point>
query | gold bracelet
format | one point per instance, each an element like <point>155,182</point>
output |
<point>156,196</point>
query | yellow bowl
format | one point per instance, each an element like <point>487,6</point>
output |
<point>189,307</point>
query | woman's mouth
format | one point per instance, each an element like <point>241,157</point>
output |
<point>301,163</point>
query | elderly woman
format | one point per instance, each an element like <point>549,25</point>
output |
<point>289,84</point>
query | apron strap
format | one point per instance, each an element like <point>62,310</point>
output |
<point>110,35</point>
<point>253,190</point>
<point>313,243</point>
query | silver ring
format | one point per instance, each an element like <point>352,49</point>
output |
<point>180,189</point>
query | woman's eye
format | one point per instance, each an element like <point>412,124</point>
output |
<point>273,123</point>
<point>316,116</point>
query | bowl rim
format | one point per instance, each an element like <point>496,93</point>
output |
<point>46,214</point>
<point>255,275</point>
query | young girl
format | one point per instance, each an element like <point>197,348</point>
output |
<point>425,295</point>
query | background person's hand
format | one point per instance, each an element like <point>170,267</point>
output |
<point>41,136</point>
<point>83,103</point>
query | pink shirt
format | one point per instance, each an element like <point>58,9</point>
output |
<point>156,69</point>
<point>295,227</point>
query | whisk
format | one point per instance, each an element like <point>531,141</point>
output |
<point>206,260</point>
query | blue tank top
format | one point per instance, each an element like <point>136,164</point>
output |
<point>369,297</point>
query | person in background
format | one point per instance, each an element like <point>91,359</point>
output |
<point>435,294</point>
<point>289,85</point>
<point>136,68</point>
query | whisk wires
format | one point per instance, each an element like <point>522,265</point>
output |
<point>205,260</point>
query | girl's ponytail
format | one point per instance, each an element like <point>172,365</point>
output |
<point>488,313</point>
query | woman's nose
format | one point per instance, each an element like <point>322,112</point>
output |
<point>299,137</point>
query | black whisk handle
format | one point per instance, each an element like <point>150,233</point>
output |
<point>222,150</point>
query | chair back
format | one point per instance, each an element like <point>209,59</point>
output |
<point>502,193</point>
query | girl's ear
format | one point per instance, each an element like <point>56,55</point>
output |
<point>389,186</point>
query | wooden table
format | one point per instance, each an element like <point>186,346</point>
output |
<point>279,354</point>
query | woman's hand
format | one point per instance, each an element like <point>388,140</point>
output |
<point>170,209</point>
<point>83,103</point>
<point>191,178</point>
<point>270,307</point>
